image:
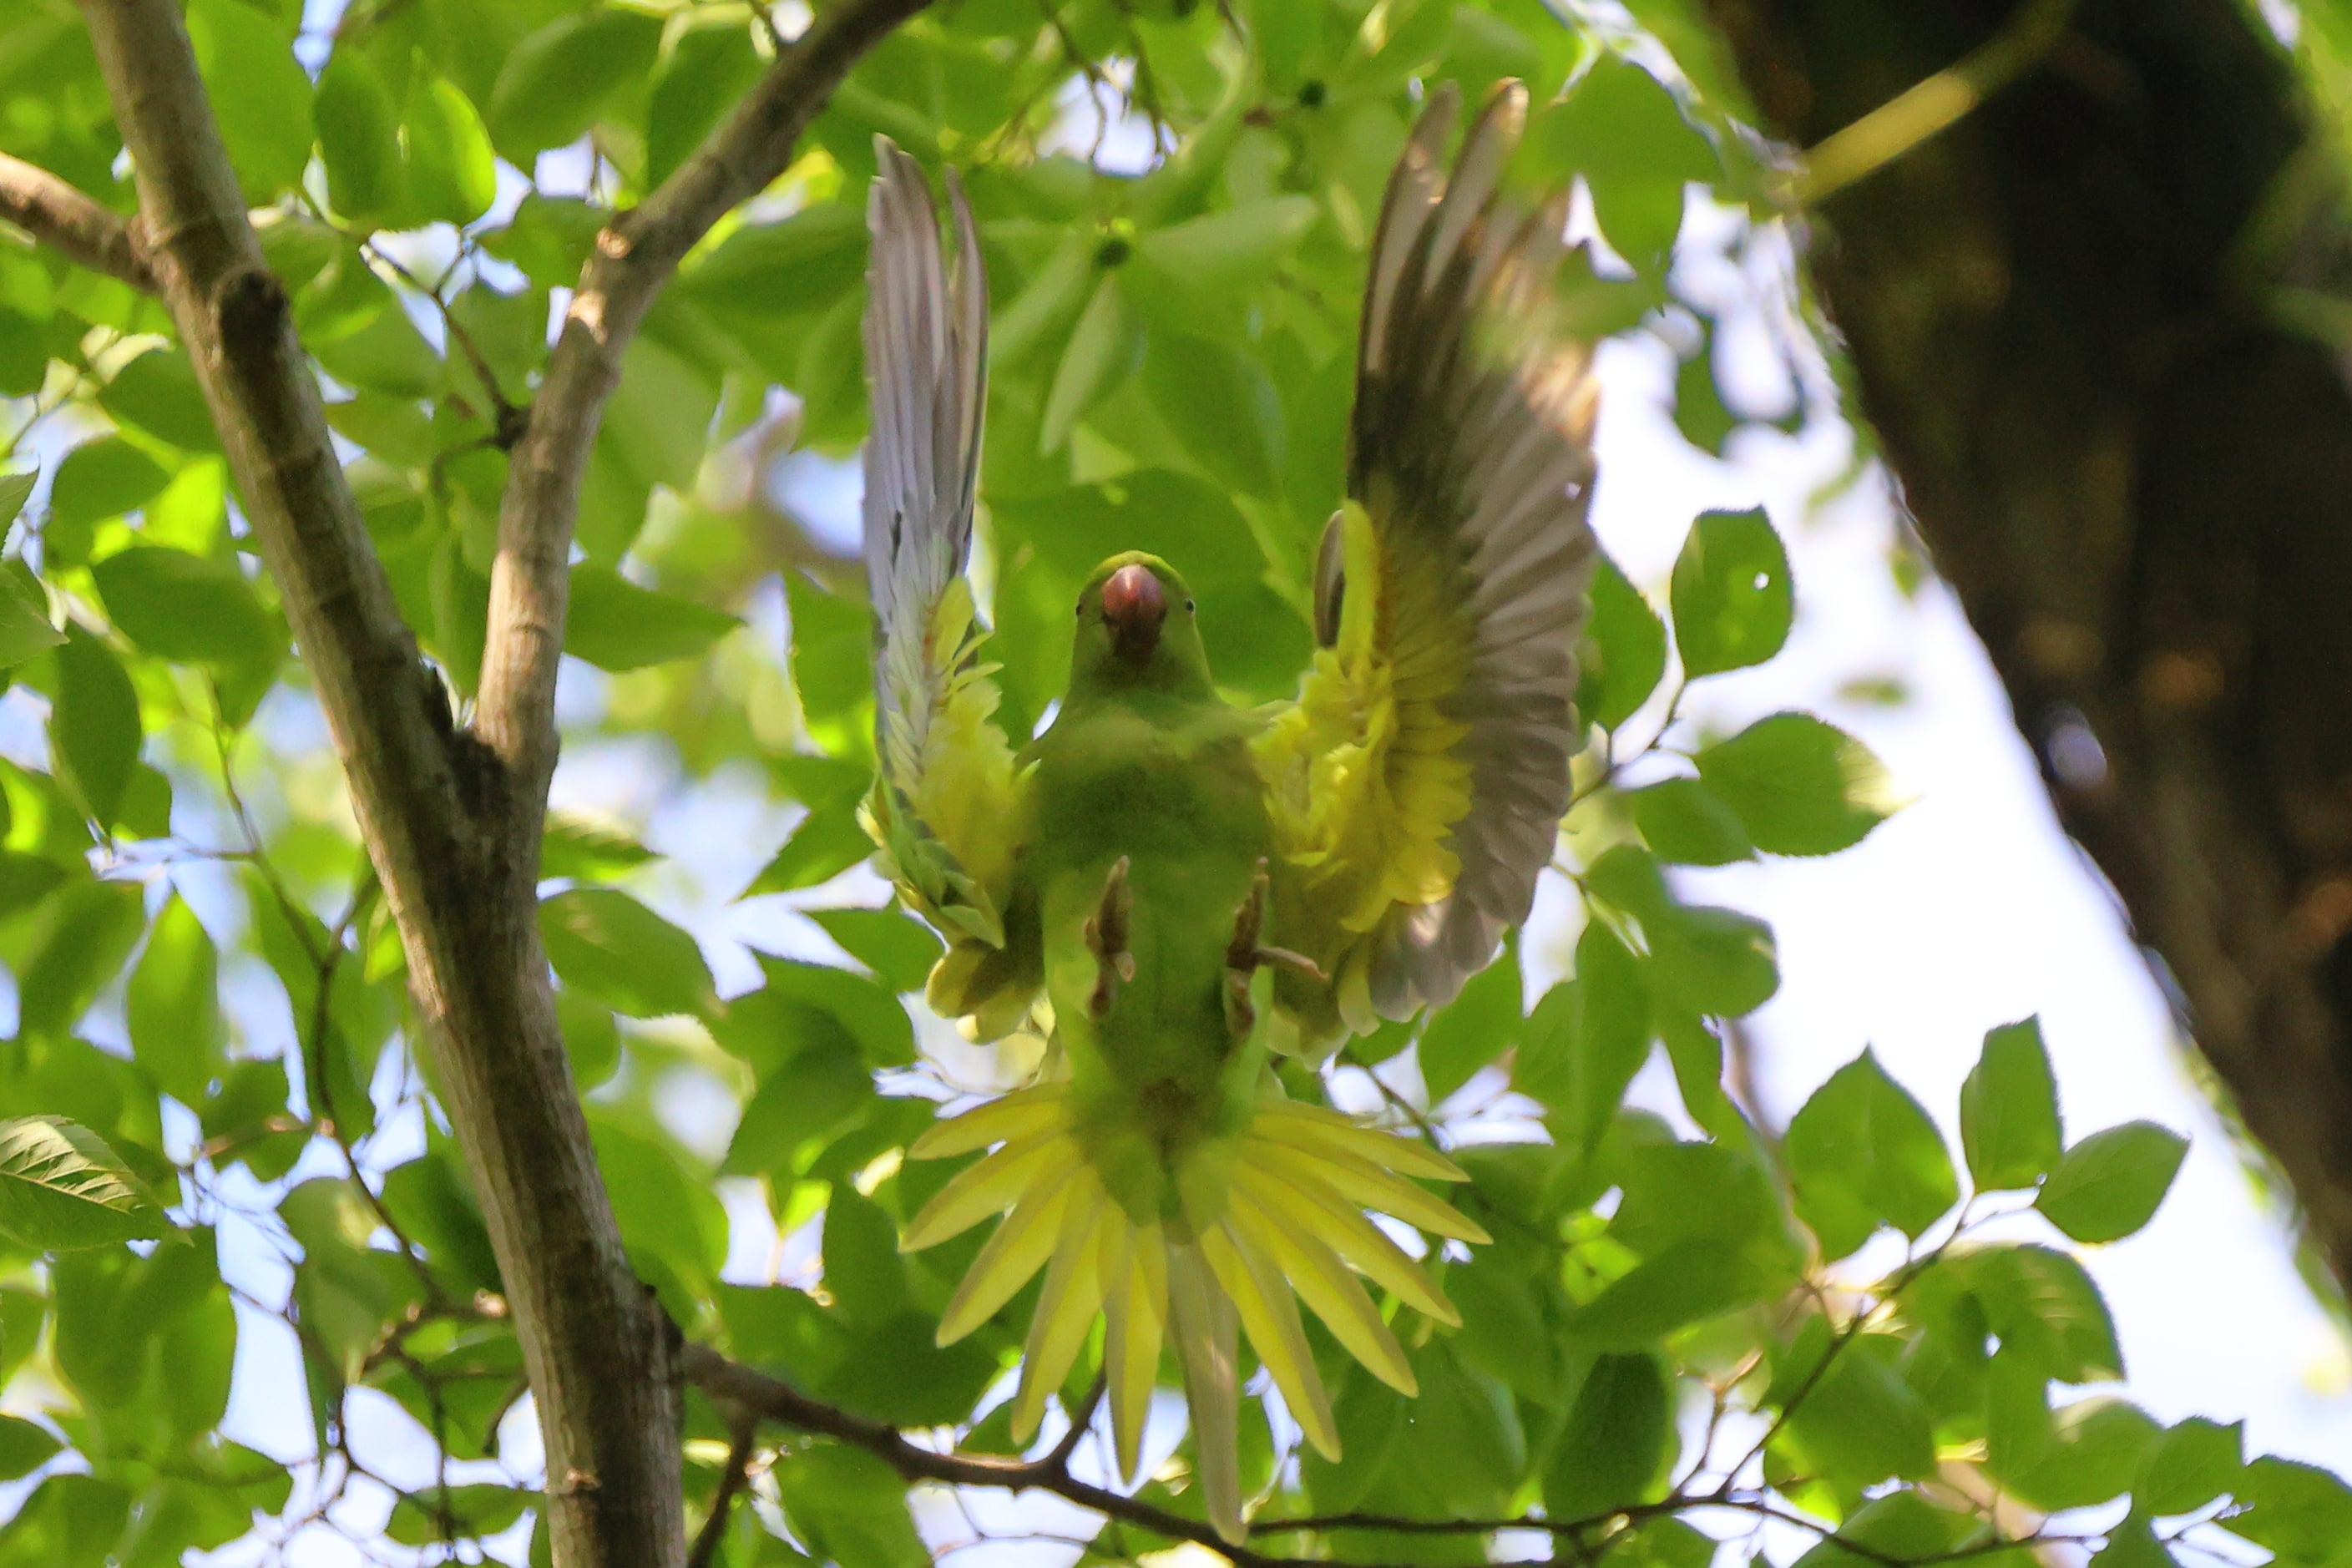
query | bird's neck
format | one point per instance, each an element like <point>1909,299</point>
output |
<point>1164,681</point>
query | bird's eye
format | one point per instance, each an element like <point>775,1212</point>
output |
<point>1187,606</point>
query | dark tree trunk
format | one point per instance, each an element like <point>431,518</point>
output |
<point>2067,317</point>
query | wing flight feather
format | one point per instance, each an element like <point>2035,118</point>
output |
<point>1418,784</point>
<point>945,780</point>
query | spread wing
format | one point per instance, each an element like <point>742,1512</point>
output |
<point>1417,785</point>
<point>944,787</point>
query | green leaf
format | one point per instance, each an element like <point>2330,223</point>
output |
<point>1586,1040</point>
<point>1715,962</point>
<point>591,1039</point>
<point>2109,1184</point>
<point>1900,1527</point>
<point>173,1006</point>
<point>1860,1421</point>
<point>2193,1463</point>
<point>613,948</point>
<point>83,936</point>
<point>826,842</point>
<point>1221,406</point>
<point>615,625</point>
<point>61,1187</point>
<point>94,725</point>
<point>191,609</point>
<point>2095,1450</point>
<point>849,1506</point>
<point>452,171</point>
<point>359,137</point>
<point>1619,1438</point>
<point>2133,1544</point>
<point>660,418</point>
<point>666,1211</point>
<point>1798,785</point>
<point>2046,1310</point>
<point>14,490</point>
<point>259,94</point>
<point>1218,253</point>
<point>1686,823</point>
<point>103,479</point>
<point>1685,1284</point>
<point>158,393</point>
<point>1624,652</point>
<point>24,628</point>
<point>2298,1510</point>
<point>384,354</point>
<point>833,643</point>
<point>818,1088</point>
<point>868,1010</point>
<point>1731,597</point>
<point>900,950</point>
<point>1862,1151</point>
<point>2008,1110</point>
<point>1100,353</point>
<point>587,849</point>
<point>550,238</point>
<point>1472,1029</point>
<point>474,1510</point>
<point>559,79</point>
<point>1625,134</point>
<point>23,1447</point>
<point>705,75</point>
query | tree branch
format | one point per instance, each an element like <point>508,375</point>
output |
<point>633,256</point>
<point>429,801</point>
<point>777,1401</point>
<point>766,1396</point>
<point>63,219</point>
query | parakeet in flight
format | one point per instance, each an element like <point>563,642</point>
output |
<point>1172,886</point>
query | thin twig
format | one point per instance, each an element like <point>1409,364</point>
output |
<point>731,1481</point>
<point>1926,108</point>
<point>778,1401</point>
<point>632,258</point>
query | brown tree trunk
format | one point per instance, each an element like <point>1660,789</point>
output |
<point>2070,317</point>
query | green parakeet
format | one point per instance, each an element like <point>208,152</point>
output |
<point>1171,886</point>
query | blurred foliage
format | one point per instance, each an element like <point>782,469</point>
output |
<point>1683,1313</point>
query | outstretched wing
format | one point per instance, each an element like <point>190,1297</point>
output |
<point>944,788</point>
<point>1418,784</point>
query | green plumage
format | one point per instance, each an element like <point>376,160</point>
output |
<point>1148,764</point>
<point>1126,882</point>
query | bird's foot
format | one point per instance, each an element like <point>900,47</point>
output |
<point>1245,956</point>
<point>1105,933</point>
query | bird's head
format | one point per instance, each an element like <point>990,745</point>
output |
<point>1136,629</point>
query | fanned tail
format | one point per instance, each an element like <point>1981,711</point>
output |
<point>1289,1224</point>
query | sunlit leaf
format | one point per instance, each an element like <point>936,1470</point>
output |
<point>61,1187</point>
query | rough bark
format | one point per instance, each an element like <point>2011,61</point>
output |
<point>452,818</point>
<point>2064,313</point>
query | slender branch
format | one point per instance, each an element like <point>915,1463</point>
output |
<point>633,256</point>
<point>755,1391</point>
<point>1936,105</point>
<point>731,1481</point>
<point>62,217</point>
<point>1081,1419</point>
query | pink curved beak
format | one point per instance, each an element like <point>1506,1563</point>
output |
<point>1133,606</point>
